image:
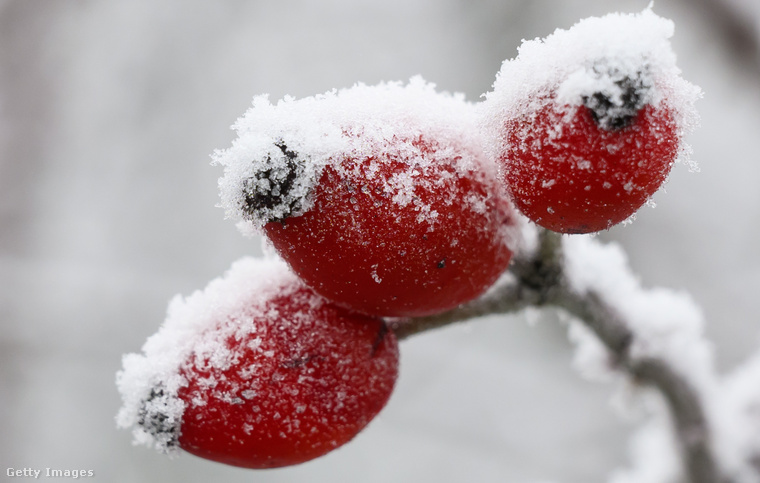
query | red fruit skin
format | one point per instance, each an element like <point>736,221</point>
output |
<point>306,381</point>
<point>569,175</point>
<point>358,248</point>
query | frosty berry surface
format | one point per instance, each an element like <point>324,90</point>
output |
<point>584,177</point>
<point>306,381</point>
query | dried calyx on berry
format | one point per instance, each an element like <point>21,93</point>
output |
<point>617,106</point>
<point>272,167</point>
<point>272,193</point>
<point>156,418</point>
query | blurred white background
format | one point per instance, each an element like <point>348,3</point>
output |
<point>108,113</point>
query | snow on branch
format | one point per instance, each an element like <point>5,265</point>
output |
<point>652,337</point>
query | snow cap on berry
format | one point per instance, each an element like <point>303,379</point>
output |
<point>149,382</point>
<point>614,65</point>
<point>282,149</point>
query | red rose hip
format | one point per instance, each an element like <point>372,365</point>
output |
<point>587,122</point>
<point>380,198</point>
<point>277,376</point>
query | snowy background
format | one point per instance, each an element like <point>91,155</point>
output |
<point>108,114</point>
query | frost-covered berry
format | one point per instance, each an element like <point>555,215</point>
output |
<point>382,198</point>
<point>258,371</point>
<point>585,177</point>
<point>588,122</point>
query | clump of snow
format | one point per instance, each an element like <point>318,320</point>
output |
<point>654,454</point>
<point>613,64</point>
<point>526,242</point>
<point>666,324</point>
<point>738,420</point>
<point>591,359</point>
<point>149,382</point>
<point>282,149</point>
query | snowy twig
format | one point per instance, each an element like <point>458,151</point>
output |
<point>540,280</point>
<point>685,405</point>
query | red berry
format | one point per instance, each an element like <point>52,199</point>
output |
<point>587,122</point>
<point>265,381</point>
<point>381,198</point>
<point>403,232</point>
<point>581,169</point>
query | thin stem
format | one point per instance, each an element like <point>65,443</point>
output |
<point>506,298</point>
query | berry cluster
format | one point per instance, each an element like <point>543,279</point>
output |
<point>395,201</point>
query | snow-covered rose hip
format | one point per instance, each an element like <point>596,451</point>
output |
<point>258,371</point>
<point>595,124</point>
<point>381,198</point>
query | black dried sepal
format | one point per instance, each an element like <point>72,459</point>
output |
<point>154,420</point>
<point>260,201</point>
<point>613,116</point>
